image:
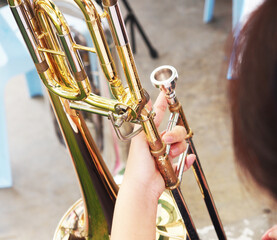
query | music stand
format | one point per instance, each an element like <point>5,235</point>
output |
<point>134,22</point>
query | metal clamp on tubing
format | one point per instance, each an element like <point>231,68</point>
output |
<point>118,132</point>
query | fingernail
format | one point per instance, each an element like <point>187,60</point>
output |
<point>270,234</point>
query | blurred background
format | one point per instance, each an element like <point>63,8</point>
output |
<point>44,182</point>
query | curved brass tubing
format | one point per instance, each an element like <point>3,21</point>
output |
<point>57,60</point>
<point>98,188</point>
<point>69,70</point>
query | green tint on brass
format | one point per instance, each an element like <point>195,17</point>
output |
<point>16,8</point>
<point>170,225</point>
<point>87,160</point>
<point>57,60</point>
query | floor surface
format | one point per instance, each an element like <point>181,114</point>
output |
<point>44,182</point>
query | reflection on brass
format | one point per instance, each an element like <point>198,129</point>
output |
<point>159,152</point>
<point>164,78</point>
<point>189,134</point>
<point>60,67</point>
<point>169,224</point>
<point>51,51</point>
<point>80,76</point>
<point>42,67</point>
<point>109,2</point>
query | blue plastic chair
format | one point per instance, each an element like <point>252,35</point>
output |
<point>208,11</point>
<point>237,19</point>
<point>14,60</point>
<point>236,11</point>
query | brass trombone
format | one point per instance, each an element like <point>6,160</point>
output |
<point>60,67</point>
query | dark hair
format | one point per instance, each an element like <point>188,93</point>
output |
<point>253,95</point>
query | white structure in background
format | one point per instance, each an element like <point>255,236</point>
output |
<point>248,7</point>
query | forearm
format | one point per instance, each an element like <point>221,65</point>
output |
<point>135,214</point>
<point>137,201</point>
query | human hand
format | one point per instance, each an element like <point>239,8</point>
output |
<point>271,234</point>
<point>141,171</point>
<point>136,205</point>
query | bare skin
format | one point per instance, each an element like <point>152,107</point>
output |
<point>271,234</point>
<point>136,206</point>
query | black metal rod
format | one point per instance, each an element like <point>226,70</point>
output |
<point>133,36</point>
<point>200,177</point>
<point>132,18</point>
<point>183,209</point>
<point>208,198</point>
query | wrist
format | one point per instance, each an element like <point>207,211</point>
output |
<point>139,190</point>
<point>151,190</point>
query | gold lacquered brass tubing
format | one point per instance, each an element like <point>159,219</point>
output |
<point>88,108</point>
<point>29,10</point>
<point>24,25</point>
<point>58,64</point>
<point>51,51</point>
<point>78,88</point>
<point>158,151</point>
<point>98,187</point>
<point>14,3</point>
<point>130,71</point>
<point>120,37</point>
<point>177,107</point>
<point>165,167</point>
<point>117,24</point>
<point>80,47</point>
<point>42,66</point>
<point>93,21</point>
<point>72,56</point>
<point>101,102</point>
<point>109,3</point>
